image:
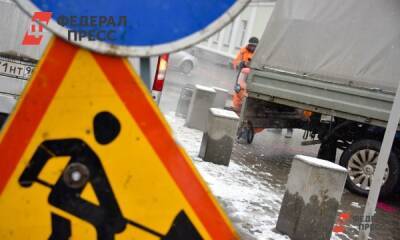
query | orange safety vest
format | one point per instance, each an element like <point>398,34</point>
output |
<point>244,55</point>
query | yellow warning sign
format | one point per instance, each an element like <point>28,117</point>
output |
<point>87,155</point>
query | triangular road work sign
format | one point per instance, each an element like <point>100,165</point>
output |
<point>87,155</point>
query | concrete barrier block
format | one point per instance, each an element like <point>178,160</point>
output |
<point>220,135</point>
<point>184,100</point>
<point>202,100</point>
<point>312,198</point>
<point>220,97</point>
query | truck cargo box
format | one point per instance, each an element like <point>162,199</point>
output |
<point>339,58</point>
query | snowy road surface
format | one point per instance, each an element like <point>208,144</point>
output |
<point>252,187</point>
<point>252,205</point>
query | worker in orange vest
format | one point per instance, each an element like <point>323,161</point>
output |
<point>245,54</point>
<point>242,62</point>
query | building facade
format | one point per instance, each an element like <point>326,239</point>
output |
<point>251,22</point>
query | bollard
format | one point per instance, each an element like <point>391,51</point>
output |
<point>184,100</point>
<point>218,141</point>
<point>220,97</point>
<point>312,198</point>
<point>219,102</point>
<point>202,100</point>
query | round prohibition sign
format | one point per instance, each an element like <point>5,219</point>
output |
<point>151,28</point>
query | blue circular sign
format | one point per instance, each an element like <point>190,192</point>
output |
<point>135,28</point>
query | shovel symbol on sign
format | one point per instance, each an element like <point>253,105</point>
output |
<point>85,167</point>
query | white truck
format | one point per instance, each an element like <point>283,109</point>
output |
<point>331,68</point>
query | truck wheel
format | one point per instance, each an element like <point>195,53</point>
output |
<point>327,151</point>
<point>360,160</point>
<point>246,131</point>
<point>249,133</point>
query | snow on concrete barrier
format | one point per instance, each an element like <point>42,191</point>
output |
<point>312,198</point>
<point>220,97</point>
<point>184,100</point>
<point>202,99</point>
<point>217,143</point>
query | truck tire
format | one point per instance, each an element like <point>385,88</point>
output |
<point>360,160</point>
<point>327,151</point>
<point>246,131</point>
<point>250,133</point>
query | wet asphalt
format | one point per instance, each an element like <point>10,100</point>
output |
<point>271,154</point>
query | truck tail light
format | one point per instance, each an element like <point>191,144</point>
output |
<point>159,78</point>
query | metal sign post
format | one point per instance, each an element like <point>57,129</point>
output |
<point>145,71</point>
<point>383,157</point>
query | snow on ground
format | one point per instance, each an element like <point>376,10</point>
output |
<point>251,206</point>
<point>356,205</point>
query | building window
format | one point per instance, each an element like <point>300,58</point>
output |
<point>242,34</point>
<point>216,37</point>
<point>228,34</point>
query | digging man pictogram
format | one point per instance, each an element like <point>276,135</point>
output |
<point>85,167</point>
